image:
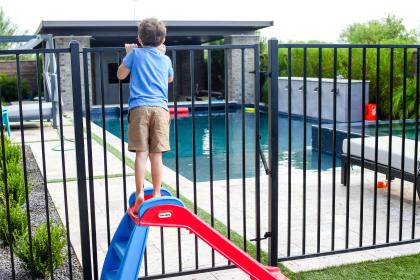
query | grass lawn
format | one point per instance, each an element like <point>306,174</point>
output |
<point>407,267</point>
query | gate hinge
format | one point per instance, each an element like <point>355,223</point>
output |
<point>266,235</point>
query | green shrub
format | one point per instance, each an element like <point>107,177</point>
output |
<point>8,85</point>
<point>40,249</point>
<point>18,220</point>
<point>265,92</point>
<point>410,101</point>
<point>12,152</point>
<point>15,184</point>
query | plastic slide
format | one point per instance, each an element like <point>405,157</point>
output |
<point>125,254</point>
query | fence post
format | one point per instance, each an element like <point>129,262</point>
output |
<point>80,156</point>
<point>273,195</point>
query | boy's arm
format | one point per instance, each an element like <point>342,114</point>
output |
<point>123,72</point>
<point>124,68</point>
<point>170,72</point>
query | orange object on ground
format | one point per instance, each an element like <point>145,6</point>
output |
<point>370,114</point>
<point>382,184</point>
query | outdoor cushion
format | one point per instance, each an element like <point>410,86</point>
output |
<point>30,111</point>
<point>383,151</point>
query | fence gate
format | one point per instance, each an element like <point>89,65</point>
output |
<point>326,197</point>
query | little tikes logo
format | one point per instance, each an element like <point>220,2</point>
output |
<point>164,215</point>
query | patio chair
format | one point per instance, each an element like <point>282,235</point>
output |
<point>383,153</point>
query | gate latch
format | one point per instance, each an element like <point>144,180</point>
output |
<point>266,235</point>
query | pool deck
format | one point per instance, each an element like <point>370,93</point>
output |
<point>116,208</point>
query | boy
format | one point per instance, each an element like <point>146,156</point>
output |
<point>148,115</point>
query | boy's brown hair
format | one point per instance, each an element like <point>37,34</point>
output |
<point>152,32</point>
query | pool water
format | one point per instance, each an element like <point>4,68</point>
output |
<point>235,144</point>
<point>397,128</point>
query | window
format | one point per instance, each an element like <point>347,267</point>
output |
<point>112,74</point>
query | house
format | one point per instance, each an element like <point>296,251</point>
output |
<point>116,33</point>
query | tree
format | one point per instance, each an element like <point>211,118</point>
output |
<point>386,30</point>
<point>7,28</point>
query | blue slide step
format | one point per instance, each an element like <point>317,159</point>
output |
<point>125,253</point>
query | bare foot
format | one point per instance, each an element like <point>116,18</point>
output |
<point>139,201</point>
<point>156,194</point>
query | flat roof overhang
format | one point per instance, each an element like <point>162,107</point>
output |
<point>114,33</point>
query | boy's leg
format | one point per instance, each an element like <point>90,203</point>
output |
<point>157,171</point>
<point>140,172</point>
<point>159,143</point>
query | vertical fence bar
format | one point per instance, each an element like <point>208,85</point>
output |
<point>375,198</point>
<point>305,70</point>
<point>227,141</point>
<point>243,147</point>
<point>334,150</point>
<point>175,95</point>
<point>44,167</point>
<point>403,146</point>
<point>210,125</point>
<point>104,143</point>
<point>289,147</point>
<point>146,263</point>
<point>193,93</point>
<point>273,71</point>
<point>162,242</point>
<point>120,95</point>
<point>416,188</point>
<point>350,52</point>
<point>80,164</point>
<point>63,166</point>
<point>389,177</point>
<point>362,171</point>
<point>226,75</point>
<point>90,165</point>
<point>25,173</point>
<point>162,251</point>
<point>256,154</point>
<point>6,189</point>
<point>318,241</point>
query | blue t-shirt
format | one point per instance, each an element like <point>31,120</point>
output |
<point>150,70</point>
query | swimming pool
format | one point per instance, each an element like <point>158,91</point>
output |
<point>235,144</point>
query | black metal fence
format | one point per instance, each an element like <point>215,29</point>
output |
<point>310,213</point>
<point>318,212</point>
<point>189,196</point>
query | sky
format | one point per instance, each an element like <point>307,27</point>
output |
<point>301,20</point>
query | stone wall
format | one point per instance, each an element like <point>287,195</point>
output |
<point>65,69</point>
<point>235,68</point>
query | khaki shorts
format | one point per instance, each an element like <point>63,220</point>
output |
<point>148,129</point>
